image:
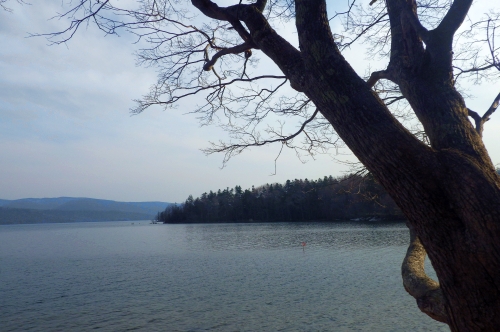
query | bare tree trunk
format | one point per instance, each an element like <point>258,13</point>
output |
<point>449,191</point>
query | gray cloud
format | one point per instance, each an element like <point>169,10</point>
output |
<point>65,127</point>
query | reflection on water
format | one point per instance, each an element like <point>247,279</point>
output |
<point>341,235</point>
<point>222,277</point>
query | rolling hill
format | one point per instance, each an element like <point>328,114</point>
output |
<point>74,209</point>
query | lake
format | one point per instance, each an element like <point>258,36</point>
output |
<point>136,276</point>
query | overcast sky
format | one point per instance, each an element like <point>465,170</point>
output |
<point>66,128</point>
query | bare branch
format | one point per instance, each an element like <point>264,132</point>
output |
<point>347,12</point>
<point>8,9</point>
<point>426,291</point>
<point>153,99</point>
<point>381,18</point>
<point>238,148</point>
<point>376,76</point>
<point>492,108</point>
<point>477,119</point>
<point>454,17</point>
<point>233,50</point>
<point>91,13</point>
<point>478,55</point>
<point>472,70</point>
<point>284,55</point>
<point>480,120</point>
<point>212,10</point>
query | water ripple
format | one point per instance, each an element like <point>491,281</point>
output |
<point>224,277</point>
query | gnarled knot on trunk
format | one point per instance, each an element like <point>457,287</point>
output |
<point>418,284</point>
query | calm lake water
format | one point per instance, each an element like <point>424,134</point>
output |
<point>119,276</point>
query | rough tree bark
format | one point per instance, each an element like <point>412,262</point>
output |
<point>449,190</point>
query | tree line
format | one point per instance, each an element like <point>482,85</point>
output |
<point>325,199</point>
<point>37,216</point>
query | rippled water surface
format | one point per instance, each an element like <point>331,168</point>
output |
<point>119,276</point>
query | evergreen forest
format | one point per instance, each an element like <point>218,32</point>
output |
<point>354,196</point>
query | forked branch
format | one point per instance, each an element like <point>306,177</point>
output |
<point>412,18</point>
<point>232,50</point>
<point>480,120</point>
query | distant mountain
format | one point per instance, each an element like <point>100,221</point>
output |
<point>37,203</point>
<point>74,209</point>
<point>4,201</point>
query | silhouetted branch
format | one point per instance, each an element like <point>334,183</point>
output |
<point>480,120</point>
<point>376,76</point>
<point>234,149</point>
<point>153,99</point>
<point>454,17</point>
<point>233,50</point>
<point>8,9</point>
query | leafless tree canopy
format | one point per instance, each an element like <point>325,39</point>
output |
<point>216,61</point>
